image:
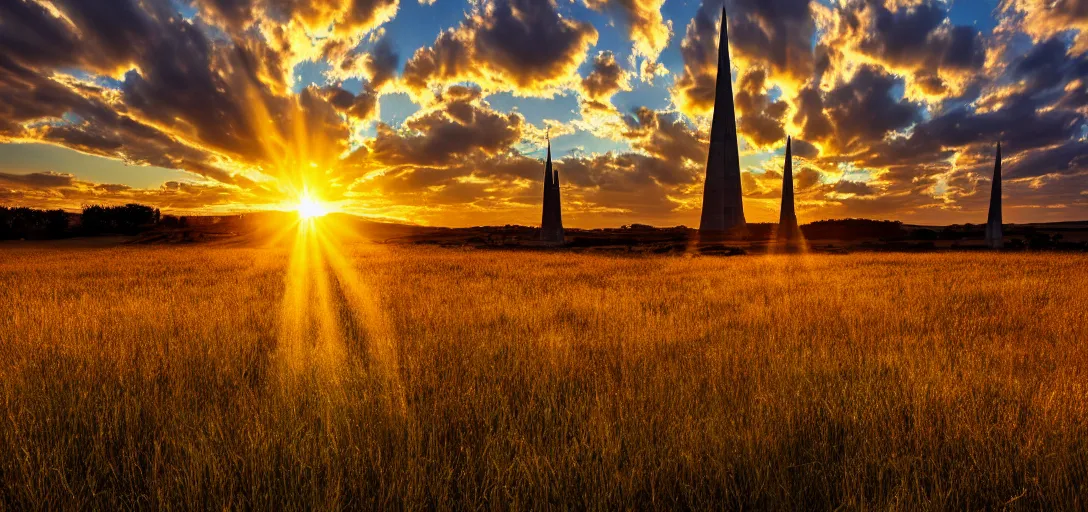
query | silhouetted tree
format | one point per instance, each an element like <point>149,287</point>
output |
<point>854,229</point>
<point>128,219</point>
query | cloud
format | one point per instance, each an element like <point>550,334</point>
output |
<point>460,125</point>
<point>759,119</point>
<point>915,40</point>
<point>61,190</point>
<point>523,46</point>
<point>865,110</point>
<point>605,79</point>
<point>1043,19</point>
<point>693,91</point>
<point>649,31</point>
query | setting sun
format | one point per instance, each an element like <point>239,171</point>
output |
<point>309,208</point>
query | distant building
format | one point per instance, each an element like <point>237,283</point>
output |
<point>551,218</point>
<point>723,208</point>
<point>994,233</point>
<point>787,221</point>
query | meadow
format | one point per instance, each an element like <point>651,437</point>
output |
<point>345,376</point>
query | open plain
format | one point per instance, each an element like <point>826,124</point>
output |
<point>332,375</point>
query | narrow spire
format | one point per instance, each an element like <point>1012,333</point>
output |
<point>546,210</point>
<point>551,218</point>
<point>787,221</point>
<point>994,231</point>
<point>549,148</point>
<point>723,206</point>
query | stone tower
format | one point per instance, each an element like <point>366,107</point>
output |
<point>994,233</point>
<point>787,222</point>
<point>551,217</point>
<point>723,209</point>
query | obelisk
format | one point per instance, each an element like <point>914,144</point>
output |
<point>994,233</point>
<point>787,220</point>
<point>723,208</point>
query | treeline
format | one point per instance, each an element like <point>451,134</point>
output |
<point>32,224</point>
<point>836,229</point>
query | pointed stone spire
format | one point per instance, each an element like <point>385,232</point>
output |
<point>545,215</point>
<point>787,221</point>
<point>723,208</point>
<point>551,217</point>
<point>994,233</point>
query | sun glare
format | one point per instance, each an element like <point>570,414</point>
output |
<point>309,208</point>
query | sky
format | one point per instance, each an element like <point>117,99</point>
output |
<point>438,112</point>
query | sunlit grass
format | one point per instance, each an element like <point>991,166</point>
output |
<point>327,373</point>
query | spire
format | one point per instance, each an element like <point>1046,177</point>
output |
<point>787,221</point>
<point>551,217</point>
<point>545,214</point>
<point>994,232</point>
<point>723,207</point>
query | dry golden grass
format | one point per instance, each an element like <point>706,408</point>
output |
<point>215,377</point>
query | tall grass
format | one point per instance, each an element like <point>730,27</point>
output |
<point>162,377</point>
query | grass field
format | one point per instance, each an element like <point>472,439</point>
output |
<point>369,376</point>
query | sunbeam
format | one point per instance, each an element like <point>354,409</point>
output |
<point>324,292</point>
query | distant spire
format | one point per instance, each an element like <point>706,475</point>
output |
<point>994,231</point>
<point>545,214</point>
<point>549,147</point>
<point>787,221</point>
<point>723,207</point>
<point>551,217</point>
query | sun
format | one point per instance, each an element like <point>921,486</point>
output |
<point>310,208</point>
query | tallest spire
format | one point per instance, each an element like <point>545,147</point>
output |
<point>723,208</point>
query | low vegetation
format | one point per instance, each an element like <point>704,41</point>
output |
<point>362,376</point>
